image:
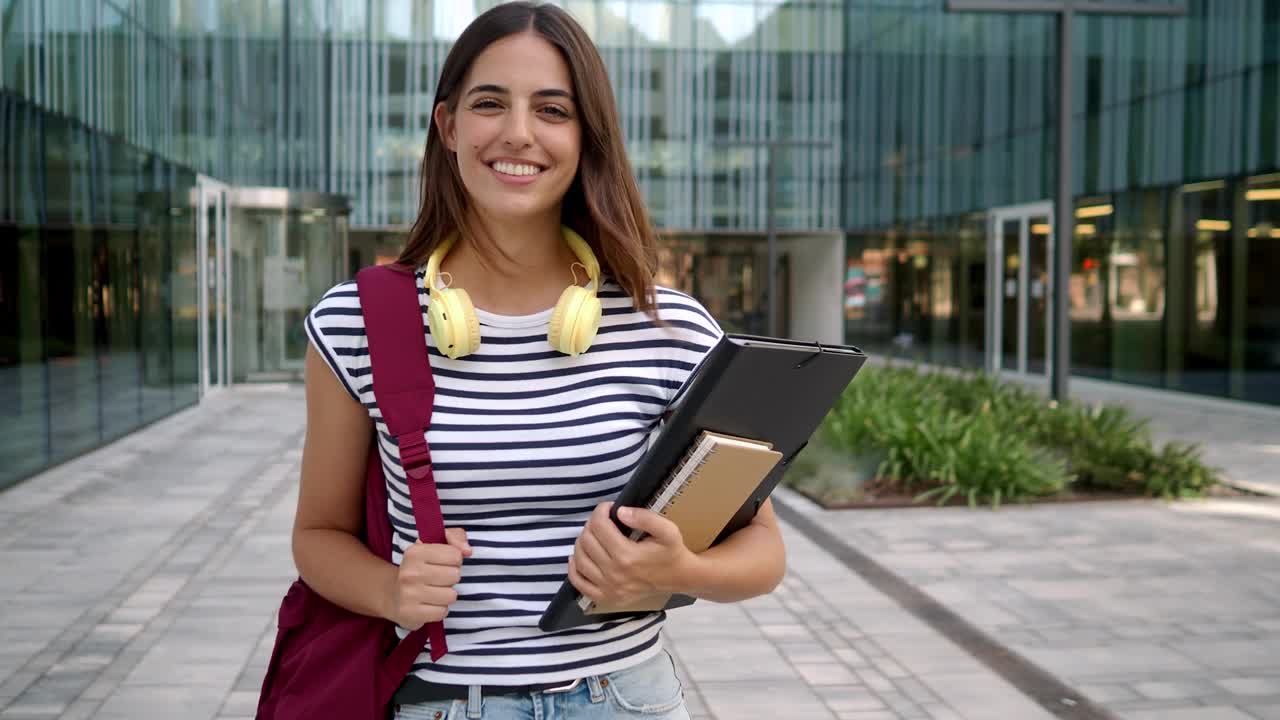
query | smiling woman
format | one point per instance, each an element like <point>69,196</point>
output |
<point>554,357</point>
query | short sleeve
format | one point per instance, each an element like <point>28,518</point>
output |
<point>691,332</point>
<point>335,326</point>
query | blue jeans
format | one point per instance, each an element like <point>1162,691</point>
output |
<point>649,690</point>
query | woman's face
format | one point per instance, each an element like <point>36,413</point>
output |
<point>516,130</point>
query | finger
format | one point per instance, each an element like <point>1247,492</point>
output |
<point>587,567</point>
<point>434,554</point>
<point>590,546</point>
<point>662,529</point>
<point>457,537</point>
<point>581,584</point>
<point>436,596</point>
<point>441,575</point>
<point>606,532</point>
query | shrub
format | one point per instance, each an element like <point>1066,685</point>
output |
<point>946,435</point>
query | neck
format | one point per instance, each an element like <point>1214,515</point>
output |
<point>515,268</point>
<point>533,246</point>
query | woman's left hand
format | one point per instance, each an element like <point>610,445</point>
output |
<point>612,569</point>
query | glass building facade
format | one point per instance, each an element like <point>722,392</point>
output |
<point>951,147</point>
<point>139,266</point>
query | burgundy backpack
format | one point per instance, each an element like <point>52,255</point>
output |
<point>329,662</point>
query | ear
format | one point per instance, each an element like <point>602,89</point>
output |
<point>445,126</point>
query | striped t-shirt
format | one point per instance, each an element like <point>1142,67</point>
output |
<point>525,442</point>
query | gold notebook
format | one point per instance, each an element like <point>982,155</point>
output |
<point>710,484</point>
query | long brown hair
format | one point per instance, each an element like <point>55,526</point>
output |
<point>603,203</point>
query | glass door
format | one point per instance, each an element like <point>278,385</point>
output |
<point>1020,248</point>
<point>212,243</point>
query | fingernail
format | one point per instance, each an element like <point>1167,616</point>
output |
<point>625,513</point>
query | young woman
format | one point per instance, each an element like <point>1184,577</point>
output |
<point>527,197</point>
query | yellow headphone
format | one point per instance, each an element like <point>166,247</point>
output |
<point>574,322</point>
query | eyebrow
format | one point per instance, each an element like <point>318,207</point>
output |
<point>498,89</point>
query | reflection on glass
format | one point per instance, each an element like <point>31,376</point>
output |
<point>282,263</point>
<point>1261,382</point>
<point>1036,293</point>
<point>727,274</point>
<point>1010,265</point>
<point>1201,256</point>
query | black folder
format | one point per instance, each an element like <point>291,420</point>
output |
<point>762,388</point>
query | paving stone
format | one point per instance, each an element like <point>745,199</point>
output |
<point>780,699</point>
<point>1107,660</point>
<point>25,711</point>
<point>984,697</point>
<point>1108,694</point>
<point>1264,712</point>
<point>1217,712</point>
<point>942,712</point>
<point>1252,685</point>
<point>1174,690</point>
<point>875,680</point>
<point>843,698</point>
<point>241,703</point>
<point>825,673</point>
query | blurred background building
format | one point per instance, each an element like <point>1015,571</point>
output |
<point>181,179</point>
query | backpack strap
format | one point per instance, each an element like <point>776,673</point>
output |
<point>405,393</point>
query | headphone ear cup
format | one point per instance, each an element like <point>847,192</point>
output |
<point>587,323</point>
<point>466,326</point>
<point>555,326</point>
<point>575,321</point>
<point>453,323</point>
<point>439,323</point>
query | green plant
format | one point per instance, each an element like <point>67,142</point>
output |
<point>945,435</point>
<point>972,457</point>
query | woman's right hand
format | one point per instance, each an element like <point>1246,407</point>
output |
<point>423,588</point>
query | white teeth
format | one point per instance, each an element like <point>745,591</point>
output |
<point>507,168</point>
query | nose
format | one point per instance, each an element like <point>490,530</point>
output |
<point>518,132</point>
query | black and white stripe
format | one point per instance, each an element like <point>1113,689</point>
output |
<point>525,442</point>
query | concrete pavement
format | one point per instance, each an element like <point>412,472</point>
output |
<point>140,581</point>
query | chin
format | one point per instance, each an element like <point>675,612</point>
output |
<point>519,209</point>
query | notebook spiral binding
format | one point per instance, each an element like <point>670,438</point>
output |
<point>686,473</point>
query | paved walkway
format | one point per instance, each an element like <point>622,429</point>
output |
<point>1153,610</point>
<point>140,582</point>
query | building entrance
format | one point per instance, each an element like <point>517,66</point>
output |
<point>1019,289</point>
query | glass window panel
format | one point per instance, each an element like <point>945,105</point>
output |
<point>154,312</point>
<point>1262,320</point>
<point>1036,294</point>
<point>69,288</point>
<point>971,290</point>
<point>185,300</point>
<point>24,440</point>
<point>1010,267</point>
<point>117,303</point>
<point>1089,288</point>
<point>72,351</point>
<point>866,295</point>
<point>1200,256</point>
<point>1136,287</point>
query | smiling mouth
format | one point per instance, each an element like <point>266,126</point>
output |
<point>516,169</point>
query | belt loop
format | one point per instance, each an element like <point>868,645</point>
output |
<point>597,690</point>
<point>474,702</point>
